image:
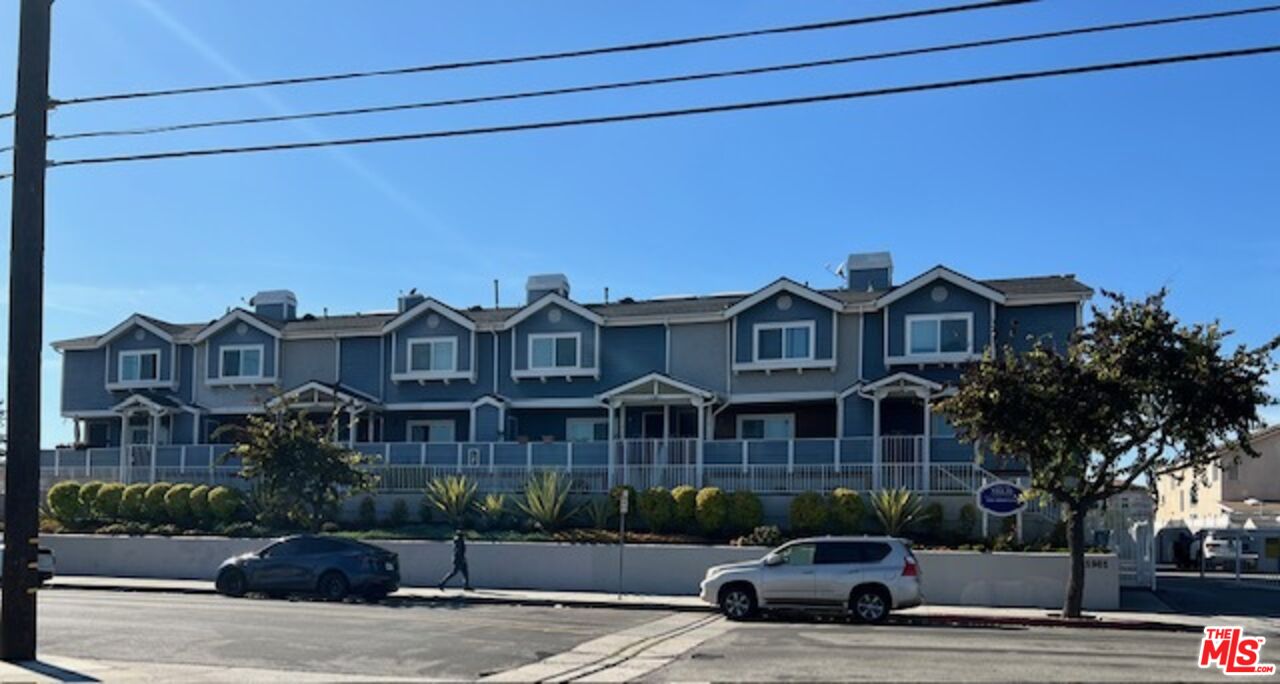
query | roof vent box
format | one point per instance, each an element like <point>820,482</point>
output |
<point>538,286</point>
<point>869,271</point>
<point>279,305</point>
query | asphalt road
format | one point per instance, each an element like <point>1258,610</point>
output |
<point>439,642</point>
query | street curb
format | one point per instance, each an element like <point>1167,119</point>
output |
<point>933,620</point>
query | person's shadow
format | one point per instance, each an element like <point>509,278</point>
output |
<point>61,674</point>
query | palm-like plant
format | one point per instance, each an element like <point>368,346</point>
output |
<point>598,512</point>
<point>897,509</point>
<point>453,496</point>
<point>493,510</point>
<point>546,500</point>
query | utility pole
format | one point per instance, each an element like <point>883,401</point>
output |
<point>26,307</point>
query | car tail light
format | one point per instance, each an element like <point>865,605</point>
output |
<point>909,568</point>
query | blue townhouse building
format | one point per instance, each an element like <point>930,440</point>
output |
<point>785,389</point>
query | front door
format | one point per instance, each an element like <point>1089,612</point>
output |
<point>792,580</point>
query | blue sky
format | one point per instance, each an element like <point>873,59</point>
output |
<point>1133,181</point>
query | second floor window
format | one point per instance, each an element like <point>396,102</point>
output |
<point>939,334</point>
<point>437,354</point>
<point>241,362</point>
<point>783,341</point>
<point>139,366</point>
<point>547,352</point>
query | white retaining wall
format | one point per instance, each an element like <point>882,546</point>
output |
<point>949,577</point>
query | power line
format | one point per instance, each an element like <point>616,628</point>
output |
<point>543,57</point>
<point>217,123</point>
<point>673,113</point>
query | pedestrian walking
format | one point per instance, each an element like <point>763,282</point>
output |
<point>459,562</point>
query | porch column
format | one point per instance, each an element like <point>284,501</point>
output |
<point>702,433</point>
<point>155,432</point>
<point>124,448</point>
<point>924,453</point>
<point>610,443</point>
<point>352,424</point>
<point>75,427</point>
<point>875,442</point>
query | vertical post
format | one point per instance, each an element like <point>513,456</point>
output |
<point>182,460</point>
<point>702,437</point>
<point>155,430</point>
<point>876,456</point>
<point>791,455</point>
<point>125,456</point>
<point>422,454</point>
<point>490,458</point>
<point>528,456</point>
<point>57,456</point>
<point>624,504</point>
<point>26,305</point>
<point>925,454</point>
<point>609,447</point>
<point>745,457</point>
<point>569,458</point>
<point>459,455</point>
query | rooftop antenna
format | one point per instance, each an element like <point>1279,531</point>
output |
<point>606,294</point>
<point>495,293</point>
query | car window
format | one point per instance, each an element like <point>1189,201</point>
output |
<point>314,546</point>
<point>282,549</point>
<point>798,554</point>
<point>831,553</point>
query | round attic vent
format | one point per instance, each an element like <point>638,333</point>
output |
<point>433,321</point>
<point>242,329</point>
<point>784,302</point>
<point>939,293</point>
<point>139,334</point>
<point>554,315</point>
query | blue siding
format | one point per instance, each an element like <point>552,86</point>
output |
<point>873,346</point>
<point>230,336</point>
<point>541,322</point>
<point>626,353</point>
<point>488,423</point>
<point>128,341</point>
<point>768,311</point>
<point>536,424</point>
<point>859,416</point>
<point>1022,326</point>
<point>959,300</point>
<point>361,364</point>
<point>420,326</point>
<point>83,388</point>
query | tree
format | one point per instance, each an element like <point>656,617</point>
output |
<point>1134,394</point>
<point>301,469</point>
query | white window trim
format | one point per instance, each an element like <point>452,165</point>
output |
<point>936,357</point>
<point>409,425</point>
<point>809,361</point>
<point>120,382</point>
<point>530,371</point>
<point>570,422</point>
<point>435,374</point>
<point>742,418</point>
<point>223,379</point>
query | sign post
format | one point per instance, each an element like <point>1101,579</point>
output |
<point>623,505</point>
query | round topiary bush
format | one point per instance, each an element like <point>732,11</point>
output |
<point>711,510</point>
<point>847,511</point>
<point>64,502</point>
<point>177,502</point>
<point>199,503</point>
<point>745,512</point>
<point>107,504</point>
<point>132,502</point>
<point>657,508</point>
<point>808,513</point>
<point>153,502</point>
<point>224,503</point>
<point>686,500</point>
<point>88,497</point>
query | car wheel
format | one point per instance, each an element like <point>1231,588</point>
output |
<point>738,602</point>
<point>870,605</point>
<point>231,582</point>
<point>332,586</point>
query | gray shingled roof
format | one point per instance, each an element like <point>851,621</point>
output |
<point>621,309</point>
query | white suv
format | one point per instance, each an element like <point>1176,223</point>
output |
<point>865,577</point>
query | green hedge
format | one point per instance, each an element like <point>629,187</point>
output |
<point>106,505</point>
<point>847,511</point>
<point>808,513</point>
<point>153,506</point>
<point>712,510</point>
<point>224,503</point>
<point>657,509</point>
<point>746,513</point>
<point>133,501</point>
<point>686,511</point>
<point>199,503</point>
<point>64,502</point>
<point>89,497</point>
<point>177,502</point>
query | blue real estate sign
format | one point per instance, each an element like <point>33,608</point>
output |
<point>1001,498</point>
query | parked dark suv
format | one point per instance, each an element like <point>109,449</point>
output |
<point>329,566</point>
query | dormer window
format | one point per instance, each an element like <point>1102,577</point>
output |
<point>934,334</point>
<point>782,342</point>
<point>433,355</point>
<point>140,366</point>
<point>241,361</point>
<point>555,351</point>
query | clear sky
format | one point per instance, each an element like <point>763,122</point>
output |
<point>1161,177</point>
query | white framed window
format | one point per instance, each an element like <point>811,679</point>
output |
<point>240,361</point>
<point>141,365</point>
<point>586,429</point>
<point>431,431</point>
<point>767,426</point>
<point>781,342</point>
<point>939,334</point>
<point>432,355</point>
<point>553,351</point>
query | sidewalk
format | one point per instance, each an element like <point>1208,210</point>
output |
<point>973,616</point>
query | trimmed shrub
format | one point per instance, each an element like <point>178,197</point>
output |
<point>686,500</point>
<point>177,502</point>
<point>367,513</point>
<point>934,517</point>
<point>769,536</point>
<point>745,512</point>
<point>847,511</point>
<point>808,513</point>
<point>967,523</point>
<point>89,497</point>
<point>64,502</point>
<point>132,502</point>
<point>107,504</point>
<point>224,503</point>
<point>492,509</point>
<point>711,510</point>
<point>199,502</point>
<point>399,514</point>
<point>153,503</point>
<point>657,508</point>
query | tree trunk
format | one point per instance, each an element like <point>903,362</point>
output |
<point>1075,546</point>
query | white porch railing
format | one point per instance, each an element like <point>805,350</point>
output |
<point>765,466</point>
